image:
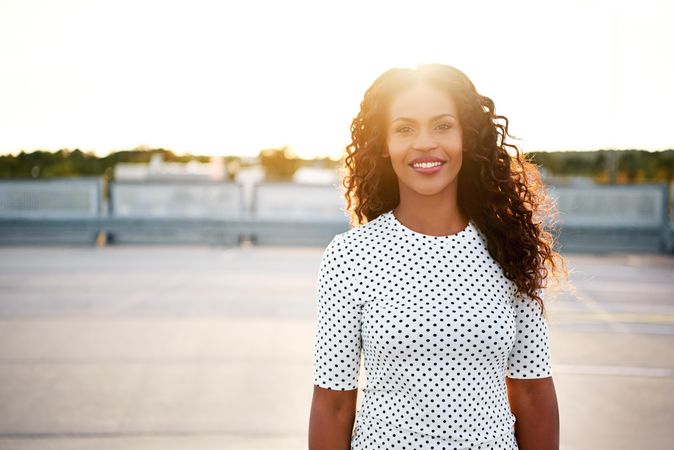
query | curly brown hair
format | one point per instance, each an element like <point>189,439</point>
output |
<point>502,193</point>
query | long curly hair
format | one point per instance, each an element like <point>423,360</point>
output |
<point>503,194</point>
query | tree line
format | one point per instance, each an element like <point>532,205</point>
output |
<point>603,166</point>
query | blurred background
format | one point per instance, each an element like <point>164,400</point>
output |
<point>169,177</point>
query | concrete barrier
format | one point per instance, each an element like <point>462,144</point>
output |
<point>629,218</point>
<point>43,212</point>
<point>176,200</point>
<point>58,198</point>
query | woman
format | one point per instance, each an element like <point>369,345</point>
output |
<point>441,283</point>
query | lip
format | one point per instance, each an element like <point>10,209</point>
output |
<point>428,170</point>
<point>421,159</point>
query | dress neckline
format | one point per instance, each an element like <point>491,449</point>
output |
<point>408,231</point>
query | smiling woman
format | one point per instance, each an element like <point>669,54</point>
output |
<point>439,283</point>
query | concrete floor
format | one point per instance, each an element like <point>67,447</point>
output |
<point>211,347</point>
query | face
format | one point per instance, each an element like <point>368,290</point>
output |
<point>423,125</point>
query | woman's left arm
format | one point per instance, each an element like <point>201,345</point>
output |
<point>534,404</point>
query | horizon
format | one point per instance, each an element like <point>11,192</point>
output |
<point>316,157</point>
<point>202,79</point>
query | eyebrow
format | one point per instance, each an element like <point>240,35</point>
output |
<point>432,118</point>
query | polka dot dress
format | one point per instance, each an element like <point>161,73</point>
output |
<point>439,327</point>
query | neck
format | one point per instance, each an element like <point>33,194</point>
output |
<point>435,215</point>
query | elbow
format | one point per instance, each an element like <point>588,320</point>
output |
<point>527,395</point>
<point>331,419</point>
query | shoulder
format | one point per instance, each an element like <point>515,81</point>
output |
<point>365,234</point>
<point>343,248</point>
<point>525,304</point>
<point>353,249</point>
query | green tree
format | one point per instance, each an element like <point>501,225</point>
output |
<point>279,164</point>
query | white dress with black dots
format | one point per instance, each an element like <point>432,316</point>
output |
<point>439,326</point>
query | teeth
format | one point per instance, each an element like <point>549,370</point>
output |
<point>425,165</point>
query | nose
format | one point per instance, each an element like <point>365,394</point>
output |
<point>424,142</point>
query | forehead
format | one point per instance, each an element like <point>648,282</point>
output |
<point>420,101</point>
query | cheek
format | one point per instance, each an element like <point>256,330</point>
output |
<point>453,146</point>
<point>396,147</point>
<point>453,140</point>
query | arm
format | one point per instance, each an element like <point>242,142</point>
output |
<point>333,414</point>
<point>337,350</point>
<point>534,404</point>
<point>531,391</point>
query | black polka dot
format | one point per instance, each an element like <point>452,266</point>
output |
<point>439,327</point>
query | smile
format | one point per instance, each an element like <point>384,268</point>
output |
<point>428,167</point>
<point>427,164</point>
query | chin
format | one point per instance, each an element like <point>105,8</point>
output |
<point>428,193</point>
<point>429,189</point>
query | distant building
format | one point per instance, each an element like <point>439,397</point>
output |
<point>315,175</point>
<point>158,169</point>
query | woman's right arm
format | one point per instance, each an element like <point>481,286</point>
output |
<point>332,417</point>
<point>337,349</point>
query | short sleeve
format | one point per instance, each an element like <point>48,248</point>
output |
<point>530,355</point>
<point>337,344</point>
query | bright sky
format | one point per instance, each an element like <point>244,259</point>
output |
<point>235,77</point>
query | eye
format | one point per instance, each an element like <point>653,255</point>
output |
<point>444,126</point>
<point>403,129</point>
